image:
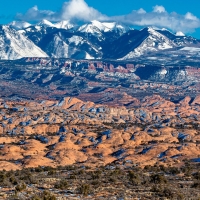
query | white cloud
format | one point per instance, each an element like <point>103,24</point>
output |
<point>159,17</point>
<point>159,9</point>
<point>190,16</point>
<point>141,11</point>
<point>35,14</point>
<point>73,9</point>
<point>80,10</point>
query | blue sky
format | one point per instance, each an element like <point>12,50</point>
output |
<point>177,15</point>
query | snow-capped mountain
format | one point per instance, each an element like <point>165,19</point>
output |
<point>179,33</point>
<point>35,32</point>
<point>19,24</point>
<point>65,24</point>
<point>96,27</point>
<point>152,41</point>
<point>38,31</point>
<point>63,44</point>
<point>180,39</point>
<point>45,23</point>
<point>94,40</point>
<point>136,43</point>
<point>14,45</point>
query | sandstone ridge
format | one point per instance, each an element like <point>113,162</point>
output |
<point>71,131</point>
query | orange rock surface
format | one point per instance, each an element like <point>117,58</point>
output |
<point>71,131</point>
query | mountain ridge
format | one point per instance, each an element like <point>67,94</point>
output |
<point>14,45</point>
<point>99,40</point>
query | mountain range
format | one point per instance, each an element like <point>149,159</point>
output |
<point>94,40</point>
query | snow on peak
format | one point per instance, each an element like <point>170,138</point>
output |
<point>97,27</point>
<point>179,33</point>
<point>109,25</point>
<point>88,56</point>
<point>151,29</point>
<point>164,29</point>
<point>14,45</point>
<point>93,27</point>
<point>65,24</point>
<point>46,23</point>
<point>19,24</point>
<point>154,41</point>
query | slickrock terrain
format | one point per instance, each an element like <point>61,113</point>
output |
<point>70,131</point>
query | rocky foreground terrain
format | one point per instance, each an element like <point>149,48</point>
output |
<point>71,149</point>
<point>70,131</point>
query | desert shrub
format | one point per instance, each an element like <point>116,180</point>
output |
<point>26,176</point>
<point>48,168</point>
<point>147,168</point>
<point>39,169</point>
<point>47,196</point>
<point>154,168</point>
<point>43,196</point>
<point>35,197</point>
<point>96,174</point>
<point>2,177</point>
<point>80,172</point>
<point>156,189</point>
<point>9,174</point>
<point>72,176</point>
<point>62,184</point>
<point>134,178</point>
<point>197,175</point>
<point>116,172</point>
<point>196,184</point>
<point>13,180</point>
<point>96,183</point>
<point>84,189</point>
<point>6,183</point>
<point>158,179</point>
<point>173,170</point>
<point>166,192</point>
<point>51,172</point>
<point>187,168</point>
<point>20,187</point>
<point>180,196</point>
<point>112,179</point>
